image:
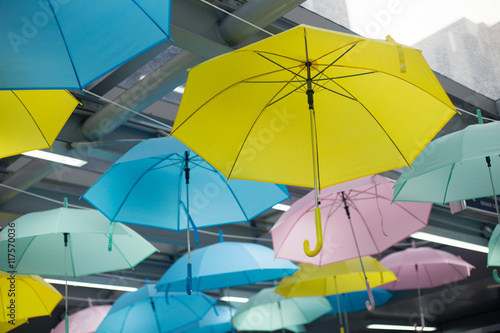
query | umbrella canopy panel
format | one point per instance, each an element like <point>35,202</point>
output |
<point>355,301</point>
<point>84,321</point>
<point>359,125</point>
<point>69,44</point>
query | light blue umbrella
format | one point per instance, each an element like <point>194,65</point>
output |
<point>162,183</point>
<point>50,44</point>
<point>147,310</point>
<point>226,264</point>
<point>217,320</point>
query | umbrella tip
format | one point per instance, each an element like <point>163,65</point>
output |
<point>65,202</point>
<point>479,116</point>
<point>221,239</point>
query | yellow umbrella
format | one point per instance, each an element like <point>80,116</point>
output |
<point>32,119</point>
<point>6,327</point>
<point>338,278</point>
<point>313,108</point>
<point>25,296</point>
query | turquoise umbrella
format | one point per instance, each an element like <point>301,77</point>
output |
<point>454,167</point>
<point>69,242</point>
<point>147,310</point>
<point>269,311</point>
<point>217,320</point>
<point>50,44</point>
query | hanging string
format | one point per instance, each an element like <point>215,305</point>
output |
<point>234,236</point>
<point>41,196</point>
<point>237,17</point>
<point>168,127</point>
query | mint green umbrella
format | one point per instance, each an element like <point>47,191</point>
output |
<point>69,242</point>
<point>458,166</point>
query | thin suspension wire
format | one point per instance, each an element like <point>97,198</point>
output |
<point>237,17</point>
<point>473,114</point>
<point>129,109</point>
<point>41,196</point>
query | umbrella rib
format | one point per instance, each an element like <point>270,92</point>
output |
<point>24,252</point>
<point>333,62</point>
<point>34,121</point>
<point>281,66</point>
<point>234,196</point>
<point>39,297</point>
<point>70,241</point>
<point>366,225</point>
<point>448,183</point>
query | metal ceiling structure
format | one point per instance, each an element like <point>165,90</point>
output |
<point>101,131</point>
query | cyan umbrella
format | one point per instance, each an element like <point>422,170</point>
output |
<point>355,301</point>
<point>147,310</point>
<point>162,183</point>
<point>226,264</point>
<point>269,311</point>
<point>217,320</point>
<point>49,44</point>
<point>70,242</point>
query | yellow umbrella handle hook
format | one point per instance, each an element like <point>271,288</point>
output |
<point>319,236</point>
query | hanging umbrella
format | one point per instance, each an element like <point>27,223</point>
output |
<point>53,45</point>
<point>84,321</point>
<point>269,311</point>
<point>217,320</point>
<point>494,252</point>
<point>320,108</point>
<point>32,119</point>
<point>454,167</point>
<point>25,296</point>
<point>226,264</point>
<point>72,242</point>
<point>338,278</point>
<point>162,183</point>
<point>424,267</point>
<point>358,217</point>
<point>147,310</point>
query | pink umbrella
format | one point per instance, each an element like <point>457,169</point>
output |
<point>84,321</point>
<point>359,219</point>
<point>424,267</point>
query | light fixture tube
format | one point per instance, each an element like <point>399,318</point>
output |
<point>233,299</point>
<point>44,155</point>
<point>399,327</point>
<point>449,241</point>
<point>281,207</point>
<point>91,285</point>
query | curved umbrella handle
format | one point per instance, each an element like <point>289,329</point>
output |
<point>422,320</point>
<point>319,236</point>
<point>495,276</point>
<point>370,305</point>
<point>189,289</point>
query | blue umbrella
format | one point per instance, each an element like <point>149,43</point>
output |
<point>147,310</point>
<point>226,264</point>
<point>50,44</point>
<point>355,301</point>
<point>162,183</point>
<point>217,320</point>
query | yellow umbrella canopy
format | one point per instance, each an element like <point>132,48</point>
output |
<point>26,296</point>
<point>338,278</point>
<point>313,108</point>
<point>32,119</point>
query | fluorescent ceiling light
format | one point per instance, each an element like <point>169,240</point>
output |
<point>233,299</point>
<point>449,241</point>
<point>179,90</point>
<point>281,207</point>
<point>399,327</point>
<point>45,155</point>
<point>91,285</point>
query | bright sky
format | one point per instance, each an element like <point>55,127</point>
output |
<point>409,21</point>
